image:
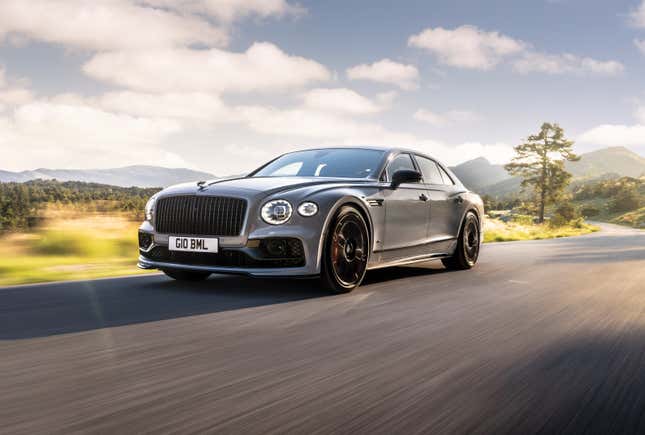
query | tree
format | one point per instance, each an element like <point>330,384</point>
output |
<point>540,163</point>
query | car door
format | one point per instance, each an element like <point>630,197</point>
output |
<point>406,208</point>
<point>442,205</point>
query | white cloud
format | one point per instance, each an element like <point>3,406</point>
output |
<point>386,71</point>
<point>230,10</point>
<point>67,135</point>
<point>3,79</point>
<point>565,64</point>
<point>340,100</point>
<point>15,96</point>
<point>189,106</point>
<point>314,124</point>
<point>263,67</point>
<point>637,16</point>
<point>467,46</point>
<point>639,114</point>
<point>449,117</point>
<point>640,44</point>
<point>615,135</point>
<point>105,24</point>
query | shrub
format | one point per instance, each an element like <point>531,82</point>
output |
<point>589,211</point>
<point>626,200</point>
<point>564,214</point>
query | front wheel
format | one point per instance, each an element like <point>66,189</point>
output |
<point>346,252</point>
<point>186,275</point>
<point>468,244</point>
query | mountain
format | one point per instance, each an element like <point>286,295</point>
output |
<point>614,160</point>
<point>140,176</point>
<point>479,173</point>
<point>483,177</point>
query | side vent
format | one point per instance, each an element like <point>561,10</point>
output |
<point>375,202</point>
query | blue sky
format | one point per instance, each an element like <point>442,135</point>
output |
<point>222,85</point>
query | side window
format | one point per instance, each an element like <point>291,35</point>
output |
<point>430,171</point>
<point>446,178</point>
<point>402,161</point>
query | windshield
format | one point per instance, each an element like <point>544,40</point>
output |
<point>342,163</point>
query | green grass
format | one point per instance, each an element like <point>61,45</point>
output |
<point>498,231</point>
<point>72,247</point>
<point>634,218</point>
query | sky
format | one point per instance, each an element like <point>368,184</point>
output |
<point>225,85</point>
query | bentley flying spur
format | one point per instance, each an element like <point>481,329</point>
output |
<point>332,213</point>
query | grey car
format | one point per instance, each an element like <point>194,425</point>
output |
<point>332,213</point>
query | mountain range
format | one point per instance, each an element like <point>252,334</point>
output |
<point>479,174</point>
<point>140,176</point>
<point>483,177</point>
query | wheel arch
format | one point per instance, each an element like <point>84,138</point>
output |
<point>359,205</point>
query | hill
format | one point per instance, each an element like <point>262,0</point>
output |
<point>140,175</point>
<point>478,173</point>
<point>615,162</point>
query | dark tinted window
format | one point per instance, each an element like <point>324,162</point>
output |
<point>430,171</point>
<point>445,176</point>
<point>402,161</point>
<point>340,162</point>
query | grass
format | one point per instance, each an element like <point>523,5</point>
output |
<point>634,218</point>
<point>497,231</point>
<point>71,246</point>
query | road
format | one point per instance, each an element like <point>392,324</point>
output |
<point>541,337</point>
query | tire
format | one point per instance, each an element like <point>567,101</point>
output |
<point>346,252</point>
<point>186,275</point>
<point>468,245</point>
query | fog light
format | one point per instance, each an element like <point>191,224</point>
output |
<point>276,247</point>
<point>145,240</point>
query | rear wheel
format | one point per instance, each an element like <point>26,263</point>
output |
<point>346,252</point>
<point>186,275</point>
<point>468,244</point>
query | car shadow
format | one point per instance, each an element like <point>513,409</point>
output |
<point>51,309</point>
<point>60,308</point>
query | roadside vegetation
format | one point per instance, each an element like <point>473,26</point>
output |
<point>504,227</point>
<point>70,244</point>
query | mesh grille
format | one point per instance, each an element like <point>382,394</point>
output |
<point>200,215</point>
<point>228,258</point>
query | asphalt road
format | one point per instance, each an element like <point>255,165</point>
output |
<point>545,336</point>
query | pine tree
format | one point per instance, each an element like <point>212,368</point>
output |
<point>540,163</point>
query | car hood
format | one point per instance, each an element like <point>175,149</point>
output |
<point>259,186</point>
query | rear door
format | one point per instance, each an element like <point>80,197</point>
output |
<point>406,208</point>
<point>443,206</point>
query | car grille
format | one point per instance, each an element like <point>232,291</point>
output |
<point>200,215</point>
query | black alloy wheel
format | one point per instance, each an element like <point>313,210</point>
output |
<point>468,245</point>
<point>346,251</point>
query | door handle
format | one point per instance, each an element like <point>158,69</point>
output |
<point>423,197</point>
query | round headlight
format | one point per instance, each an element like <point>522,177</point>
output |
<point>276,212</point>
<point>307,209</point>
<point>150,206</point>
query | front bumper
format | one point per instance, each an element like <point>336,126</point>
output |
<point>302,272</point>
<point>248,257</point>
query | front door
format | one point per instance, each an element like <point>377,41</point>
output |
<point>445,207</point>
<point>406,209</point>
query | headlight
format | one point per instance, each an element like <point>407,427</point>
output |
<point>307,209</point>
<point>276,212</point>
<point>150,206</point>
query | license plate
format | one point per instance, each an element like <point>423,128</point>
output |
<point>193,244</point>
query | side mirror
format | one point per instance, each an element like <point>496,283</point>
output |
<point>405,176</point>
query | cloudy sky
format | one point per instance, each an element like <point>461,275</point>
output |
<point>223,85</point>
